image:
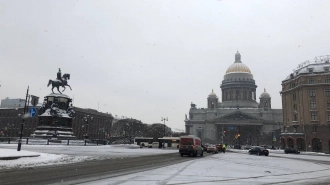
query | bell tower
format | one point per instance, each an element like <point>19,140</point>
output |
<point>212,101</point>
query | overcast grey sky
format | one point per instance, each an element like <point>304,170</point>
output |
<point>150,58</point>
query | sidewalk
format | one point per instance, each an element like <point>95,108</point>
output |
<point>9,154</point>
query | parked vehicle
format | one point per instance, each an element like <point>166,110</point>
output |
<point>205,147</point>
<point>259,151</point>
<point>190,145</point>
<point>291,150</point>
<point>153,145</point>
<point>212,149</point>
<point>219,147</point>
<point>247,147</point>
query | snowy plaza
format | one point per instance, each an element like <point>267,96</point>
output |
<point>235,167</point>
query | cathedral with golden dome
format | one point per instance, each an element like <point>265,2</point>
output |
<point>238,119</point>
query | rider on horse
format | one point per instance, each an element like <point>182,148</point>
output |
<point>59,75</point>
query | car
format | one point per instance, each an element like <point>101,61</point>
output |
<point>205,147</point>
<point>247,147</point>
<point>190,145</point>
<point>219,147</point>
<point>291,150</point>
<point>212,149</point>
<point>259,151</point>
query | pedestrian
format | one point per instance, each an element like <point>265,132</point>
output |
<point>163,145</point>
<point>223,148</point>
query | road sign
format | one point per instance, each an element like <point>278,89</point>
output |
<point>32,112</point>
<point>34,100</point>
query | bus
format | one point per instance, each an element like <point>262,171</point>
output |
<point>169,142</point>
<point>143,141</point>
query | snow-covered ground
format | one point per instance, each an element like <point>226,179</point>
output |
<point>42,160</point>
<point>228,168</point>
<point>302,155</point>
<point>61,154</point>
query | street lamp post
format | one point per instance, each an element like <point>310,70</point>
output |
<point>164,119</point>
<point>239,137</point>
<point>22,124</point>
<point>87,119</point>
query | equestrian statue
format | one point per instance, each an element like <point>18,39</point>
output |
<point>60,81</point>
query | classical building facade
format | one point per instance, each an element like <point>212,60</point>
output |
<point>238,118</point>
<point>306,107</point>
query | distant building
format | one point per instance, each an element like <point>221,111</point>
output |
<point>99,128</point>
<point>306,107</point>
<point>12,103</point>
<point>15,103</point>
<point>238,118</point>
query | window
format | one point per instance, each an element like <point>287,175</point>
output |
<point>295,117</point>
<point>313,104</point>
<point>328,116</point>
<point>294,96</point>
<point>314,128</point>
<point>328,105</point>
<point>187,141</point>
<point>314,116</point>
<point>312,92</point>
<point>326,68</point>
<point>311,81</point>
<point>327,92</point>
<point>310,70</point>
<point>294,107</point>
<point>327,79</point>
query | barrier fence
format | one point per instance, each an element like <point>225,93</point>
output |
<point>34,141</point>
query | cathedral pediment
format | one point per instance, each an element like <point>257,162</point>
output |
<point>237,117</point>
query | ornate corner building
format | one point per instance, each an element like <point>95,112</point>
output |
<point>306,107</point>
<point>238,119</point>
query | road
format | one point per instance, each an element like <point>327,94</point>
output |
<point>88,170</point>
<point>229,168</point>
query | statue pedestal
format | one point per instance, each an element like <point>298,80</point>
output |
<point>55,118</point>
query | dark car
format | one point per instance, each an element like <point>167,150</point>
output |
<point>205,147</point>
<point>259,151</point>
<point>291,150</point>
<point>212,149</point>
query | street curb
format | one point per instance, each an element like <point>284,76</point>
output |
<point>17,157</point>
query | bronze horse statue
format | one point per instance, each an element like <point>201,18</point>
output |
<point>58,83</point>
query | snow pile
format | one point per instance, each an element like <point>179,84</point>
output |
<point>63,154</point>
<point>43,160</point>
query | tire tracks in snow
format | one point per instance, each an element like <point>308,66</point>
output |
<point>165,181</point>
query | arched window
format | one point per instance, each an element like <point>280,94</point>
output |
<point>300,144</point>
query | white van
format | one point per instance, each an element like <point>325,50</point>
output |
<point>190,145</point>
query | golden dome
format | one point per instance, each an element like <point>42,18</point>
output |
<point>212,94</point>
<point>238,66</point>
